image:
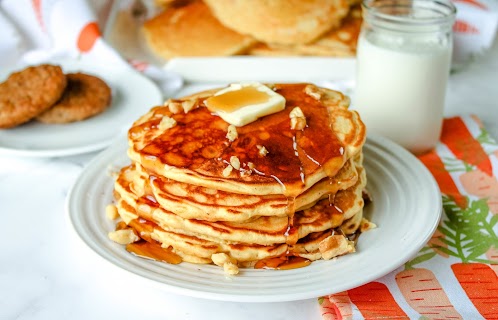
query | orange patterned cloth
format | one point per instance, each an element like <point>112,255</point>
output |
<point>455,276</point>
<point>37,31</point>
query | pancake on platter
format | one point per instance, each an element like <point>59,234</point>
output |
<point>280,21</point>
<point>190,201</point>
<point>260,230</point>
<point>275,190</point>
<point>337,42</point>
<point>191,30</point>
<point>260,238</point>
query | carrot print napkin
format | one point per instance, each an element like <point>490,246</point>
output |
<point>455,276</point>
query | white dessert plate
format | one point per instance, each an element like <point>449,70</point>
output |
<point>132,96</point>
<point>406,208</point>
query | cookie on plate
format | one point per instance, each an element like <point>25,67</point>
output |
<point>28,92</point>
<point>85,96</point>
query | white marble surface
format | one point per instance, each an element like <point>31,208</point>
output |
<point>46,273</point>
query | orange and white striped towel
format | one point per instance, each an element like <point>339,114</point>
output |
<point>455,276</point>
<point>36,31</point>
<point>474,29</point>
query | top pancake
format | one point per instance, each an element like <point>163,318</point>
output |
<point>196,150</point>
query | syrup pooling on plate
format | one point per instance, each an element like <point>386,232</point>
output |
<point>153,251</point>
<point>284,262</point>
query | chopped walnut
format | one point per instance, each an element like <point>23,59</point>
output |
<point>226,172</point>
<point>271,86</point>
<point>235,162</point>
<point>188,105</point>
<point>174,106</point>
<point>230,268</point>
<point>313,91</point>
<point>123,236</point>
<point>127,216</point>
<point>223,260</point>
<point>245,173</point>
<point>334,246</point>
<point>344,36</point>
<point>220,258</point>
<point>166,123</point>
<point>356,13</point>
<point>366,225</point>
<point>113,171</point>
<point>298,120</point>
<point>232,133</point>
<point>262,150</point>
<point>111,212</point>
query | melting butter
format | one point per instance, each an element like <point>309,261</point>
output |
<point>243,103</point>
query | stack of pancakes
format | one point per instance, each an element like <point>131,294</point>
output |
<point>256,27</point>
<point>257,195</point>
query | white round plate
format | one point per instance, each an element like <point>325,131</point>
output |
<point>132,96</point>
<point>406,208</point>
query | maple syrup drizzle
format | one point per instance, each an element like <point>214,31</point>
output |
<point>234,100</point>
<point>292,155</point>
<point>296,153</point>
<point>291,233</point>
<point>284,262</point>
<point>316,146</point>
<point>153,251</point>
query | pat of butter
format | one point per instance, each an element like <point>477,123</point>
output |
<point>243,103</point>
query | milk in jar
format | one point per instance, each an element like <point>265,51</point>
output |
<point>402,72</point>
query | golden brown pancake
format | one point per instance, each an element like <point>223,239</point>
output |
<point>192,30</point>
<point>280,21</point>
<point>265,230</point>
<point>338,42</point>
<point>256,239</point>
<point>196,150</point>
<point>190,201</point>
<point>302,198</point>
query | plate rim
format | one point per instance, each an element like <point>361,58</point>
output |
<point>376,274</point>
<point>262,68</point>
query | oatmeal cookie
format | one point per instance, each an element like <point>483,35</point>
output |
<point>28,92</point>
<point>84,97</point>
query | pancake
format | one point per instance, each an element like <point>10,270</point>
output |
<point>328,213</point>
<point>344,38</point>
<point>190,201</point>
<point>293,195</point>
<point>191,30</point>
<point>338,42</point>
<point>196,150</point>
<point>280,21</point>
<point>196,250</point>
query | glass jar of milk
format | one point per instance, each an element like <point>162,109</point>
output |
<point>403,63</point>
